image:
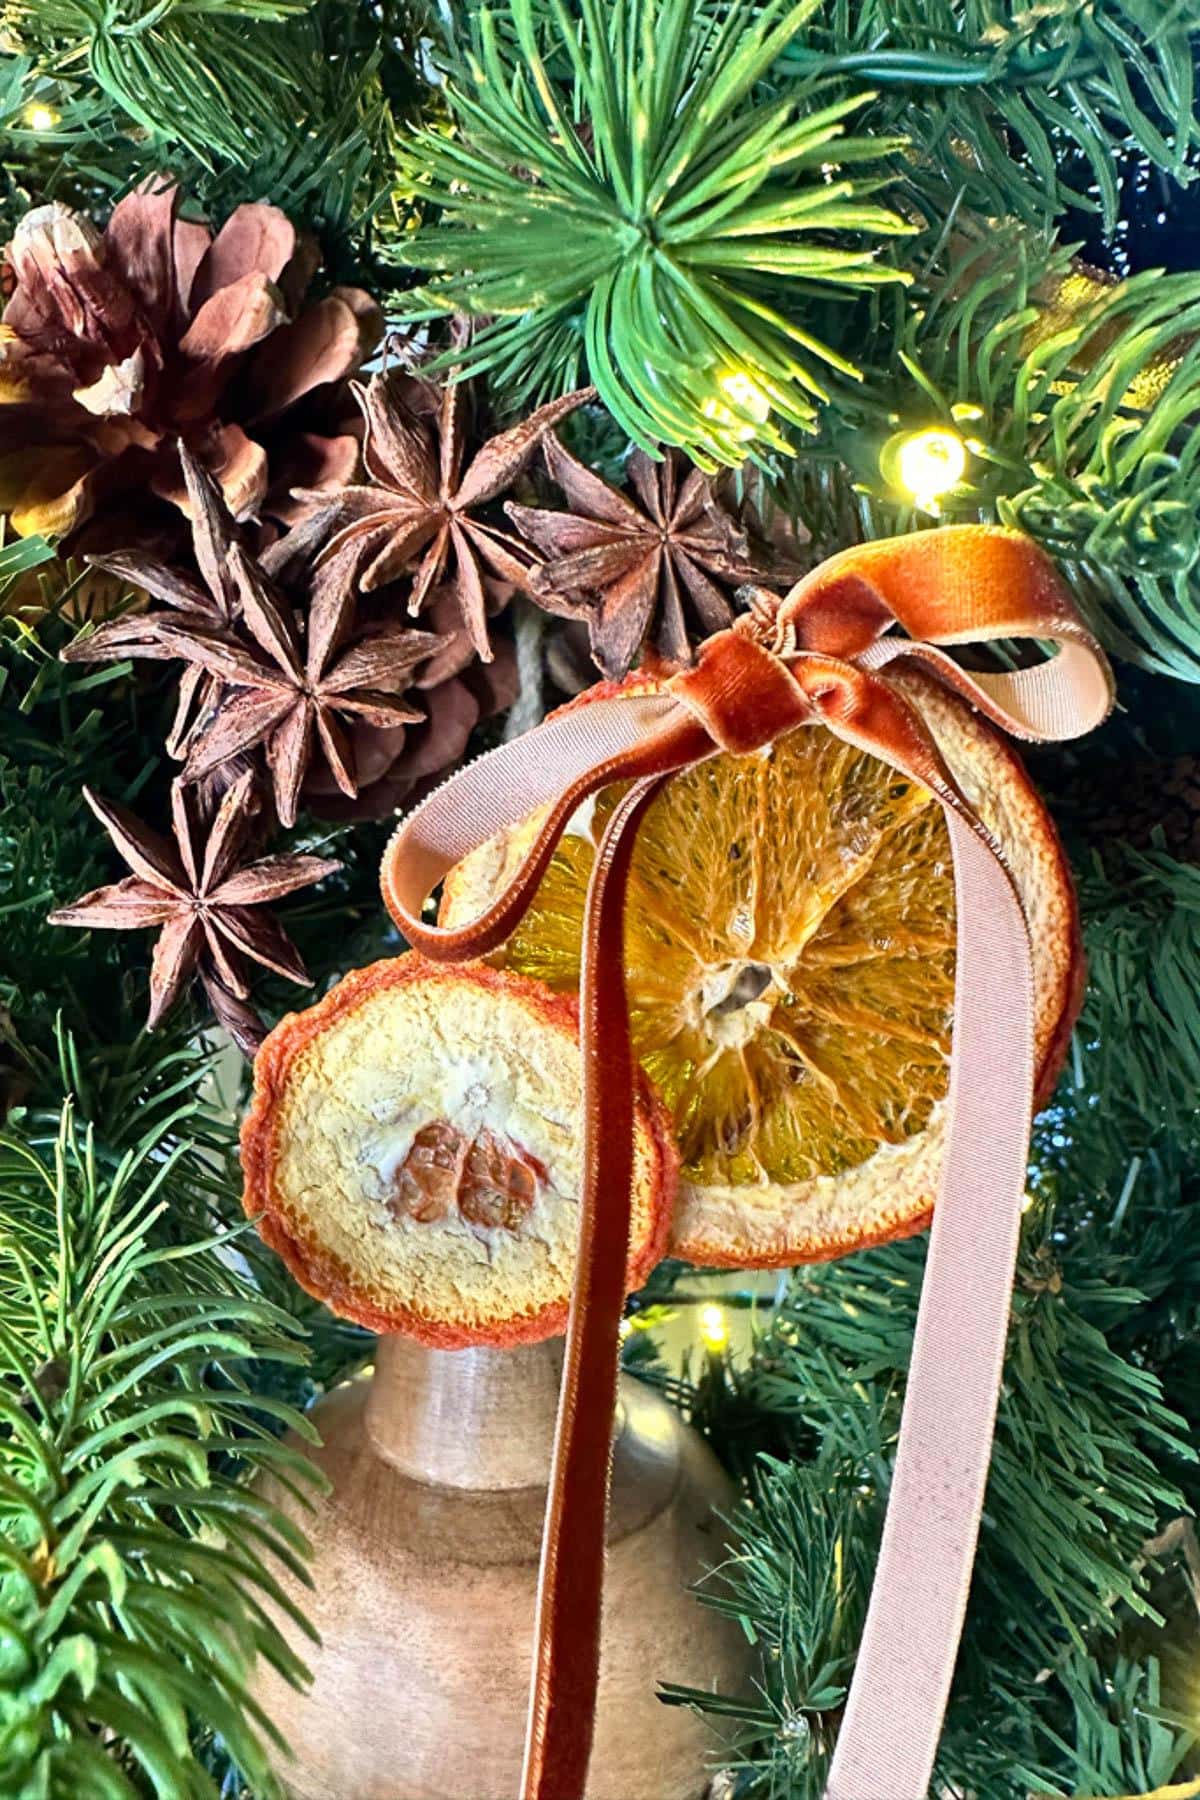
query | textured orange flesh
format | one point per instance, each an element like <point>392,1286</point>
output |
<point>789,948</point>
<point>486,1179</point>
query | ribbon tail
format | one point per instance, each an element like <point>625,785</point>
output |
<point>570,1585</point>
<point>897,1700</point>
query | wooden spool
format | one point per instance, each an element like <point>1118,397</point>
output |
<point>425,1571</point>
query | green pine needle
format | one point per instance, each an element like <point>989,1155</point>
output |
<point>1074,1494</point>
<point>1024,110</point>
<point>1087,437</point>
<point>134,1560</point>
<point>619,195</point>
<point>195,70</point>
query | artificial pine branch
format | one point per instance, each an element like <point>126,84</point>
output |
<point>135,1560</point>
<point>308,123</point>
<point>1142,1013</point>
<point>1021,110</point>
<point>619,192</point>
<point>200,71</point>
<point>1079,400</point>
<point>1076,1490</point>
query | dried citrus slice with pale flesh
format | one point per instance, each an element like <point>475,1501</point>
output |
<point>789,953</point>
<point>414,1152</point>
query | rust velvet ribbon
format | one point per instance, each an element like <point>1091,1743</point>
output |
<point>818,658</point>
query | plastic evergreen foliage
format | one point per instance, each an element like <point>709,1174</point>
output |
<point>151,1355</point>
<point>135,1560</point>
<point>143,56</point>
<point>280,100</point>
<point>1079,402</point>
<point>617,187</point>
<point>971,82</point>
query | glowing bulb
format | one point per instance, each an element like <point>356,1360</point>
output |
<point>753,407</point>
<point>41,118</point>
<point>930,463</point>
<point>745,393</point>
<point>713,1328</point>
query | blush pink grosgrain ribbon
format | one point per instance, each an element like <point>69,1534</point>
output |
<point>819,657</point>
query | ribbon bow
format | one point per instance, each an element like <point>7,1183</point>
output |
<point>820,656</point>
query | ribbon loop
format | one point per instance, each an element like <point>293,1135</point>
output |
<point>559,765</point>
<point>964,584</point>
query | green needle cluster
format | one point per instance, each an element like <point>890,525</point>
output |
<point>134,1560</point>
<point>617,191</point>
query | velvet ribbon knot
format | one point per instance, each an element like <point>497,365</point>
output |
<point>819,657</point>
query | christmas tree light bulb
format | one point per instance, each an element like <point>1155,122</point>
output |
<point>745,393</point>
<point>40,118</point>
<point>713,1328</point>
<point>930,463</point>
<point>741,391</point>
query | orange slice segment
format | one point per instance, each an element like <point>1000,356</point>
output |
<point>789,951</point>
<point>413,1153</point>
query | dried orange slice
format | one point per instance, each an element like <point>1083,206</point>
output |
<point>413,1152</point>
<point>789,947</point>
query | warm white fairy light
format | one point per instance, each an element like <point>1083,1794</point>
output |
<point>744,392</point>
<point>713,1328</point>
<point>744,406</point>
<point>930,463</point>
<point>40,117</point>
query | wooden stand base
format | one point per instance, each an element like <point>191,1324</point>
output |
<point>425,1573</point>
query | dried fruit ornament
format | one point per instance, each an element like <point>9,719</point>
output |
<point>825,658</point>
<point>414,1153</point>
<point>789,961</point>
<point>788,974</point>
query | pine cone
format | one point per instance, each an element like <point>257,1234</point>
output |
<point>118,346</point>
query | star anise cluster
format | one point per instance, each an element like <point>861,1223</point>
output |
<point>299,669</point>
<point>303,677</point>
<point>658,562</point>
<point>278,665</point>
<point>422,512</point>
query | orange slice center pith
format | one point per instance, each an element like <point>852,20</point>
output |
<point>488,1183</point>
<point>789,948</point>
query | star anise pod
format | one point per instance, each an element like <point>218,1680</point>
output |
<point>292,694</point>
<point>633,566</point>
<point>420,511</point>
<point>208,908</point>
<point>295,699</point>
<point>215,603</point>
<point>395,763</point>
